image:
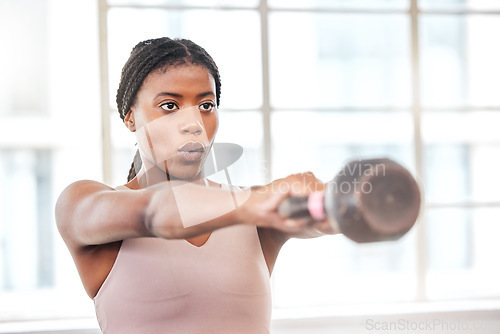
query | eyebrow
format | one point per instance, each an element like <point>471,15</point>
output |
<point>208,93</point>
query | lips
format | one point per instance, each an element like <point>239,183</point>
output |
<point>192,151</point>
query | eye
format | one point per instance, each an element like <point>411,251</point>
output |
<point>207,106</point>
<point>169,106</point>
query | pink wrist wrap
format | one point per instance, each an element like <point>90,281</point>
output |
<point>315,205</point>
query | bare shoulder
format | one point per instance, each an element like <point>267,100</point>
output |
<point>73,194</point>
<point>81,188</point>
<point>74,209</point>
<point>89,213</point>
<point>70,202</point>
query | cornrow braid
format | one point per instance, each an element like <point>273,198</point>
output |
<point>135,164</point>
<point>150,55</point>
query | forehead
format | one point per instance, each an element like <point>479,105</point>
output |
<point>181,77</point>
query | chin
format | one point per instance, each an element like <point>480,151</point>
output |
<point>186,173</point>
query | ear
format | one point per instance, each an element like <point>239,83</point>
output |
<point>130,120</point>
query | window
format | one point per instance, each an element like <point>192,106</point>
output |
<point>317,83</point>
<point>49,98</point>
<point>307,85</point>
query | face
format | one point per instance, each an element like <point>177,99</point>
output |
<point>175,120</point>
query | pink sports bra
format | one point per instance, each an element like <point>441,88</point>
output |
<point>172,286</point>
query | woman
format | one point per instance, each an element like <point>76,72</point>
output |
<point>170,251</point>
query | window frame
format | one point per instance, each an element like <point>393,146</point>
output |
<point>264,10</point>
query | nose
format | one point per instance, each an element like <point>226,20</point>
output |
<point>194,128</point>
<point>191,124</point>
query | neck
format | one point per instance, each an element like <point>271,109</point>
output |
<point>149,175</point>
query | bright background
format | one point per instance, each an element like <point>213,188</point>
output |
<point>306,85</point>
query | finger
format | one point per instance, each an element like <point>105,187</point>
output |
<point>277,197</point>
<point>294,225</point>
<point>325,226</point>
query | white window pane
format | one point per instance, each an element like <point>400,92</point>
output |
<point>228,3</point>
<point>378,4</point>
<point>26,220</point>
<point>323,141</point>
<point>460,60</point>
<point>237,54</point>
<point>334,270</point>
<point>334,60</point>
<point>462,248</point>
<point>461,156</point>
<point>48,64</point>
<point>24,60</point>
<point>460,4</point>
<point>244,128</point>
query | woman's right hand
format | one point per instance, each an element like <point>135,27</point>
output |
<point>261,207</point>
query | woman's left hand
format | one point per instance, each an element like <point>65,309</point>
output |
<point>303,184</point>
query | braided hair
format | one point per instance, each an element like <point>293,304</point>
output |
<point>153,54</point>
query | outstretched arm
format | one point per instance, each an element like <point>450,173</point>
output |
<point>91,213</point>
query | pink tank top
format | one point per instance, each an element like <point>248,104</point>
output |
<point>171,286</point>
